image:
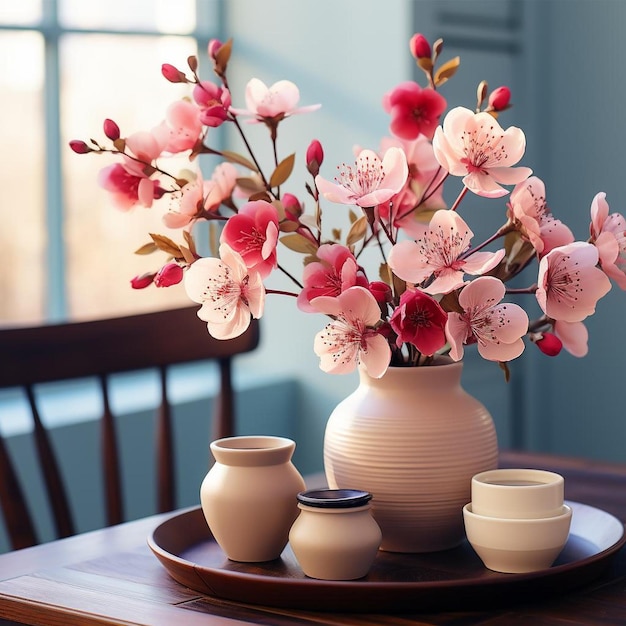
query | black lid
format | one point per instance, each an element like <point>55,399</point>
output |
<point>334,498</point>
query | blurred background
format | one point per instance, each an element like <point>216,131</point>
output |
<point>66,65</point>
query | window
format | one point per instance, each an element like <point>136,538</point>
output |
<point>66,66</point>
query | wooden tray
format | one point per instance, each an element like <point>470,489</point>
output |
<point>454,579</point>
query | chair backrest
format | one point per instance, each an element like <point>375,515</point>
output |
<point>56,352</point>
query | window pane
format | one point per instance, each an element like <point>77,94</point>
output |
<point>118,78</point>
<point>22,218</point>
<point>25,12</point>
<point>157,15</point>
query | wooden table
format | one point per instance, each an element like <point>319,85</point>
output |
<point>110,577</point>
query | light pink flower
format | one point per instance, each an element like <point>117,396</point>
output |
<point>475,146</point>
<point>280,100</point>
<point>496,327</point>
<point>414,111</point>
<point>440,254</point>
<point>530,213</point>
<point>371,182</point>
<point>253,233</point>
<point>146,147</point>
<point>228,291</point>
<point>334,272</point>
<point>569,283</point>
<point>574,336</point>
<point>181,128</point>
<point>221,186</point>
<point>608,233</point>
<point>420,321</point>
<point>351,339</point>
<point>186,205</point>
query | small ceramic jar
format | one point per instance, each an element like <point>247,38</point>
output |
<point>335,536</point>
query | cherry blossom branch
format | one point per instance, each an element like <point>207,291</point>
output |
<point>503,230</point>
<point>293,278</point>
<point>458,200</point>
<point>526,290</point>
<point>280,292</point>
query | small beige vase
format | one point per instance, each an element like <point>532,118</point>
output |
<point>249,496</point>
<point>413,439</point>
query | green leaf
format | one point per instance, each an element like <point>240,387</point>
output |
<point>283,171</point>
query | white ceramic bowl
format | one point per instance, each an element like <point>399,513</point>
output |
<point>517,545</point>
<point>517,493</point>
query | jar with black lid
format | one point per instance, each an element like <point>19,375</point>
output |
<point>335,536</point>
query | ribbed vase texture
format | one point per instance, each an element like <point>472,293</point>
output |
<point>413,438</point>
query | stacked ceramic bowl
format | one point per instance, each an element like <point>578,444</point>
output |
<point>517,521</point>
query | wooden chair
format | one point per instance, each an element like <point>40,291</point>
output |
<point>29,356</point>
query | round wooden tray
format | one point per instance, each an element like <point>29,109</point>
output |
<point>454,579</point>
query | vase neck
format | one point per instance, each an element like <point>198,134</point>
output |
<point>440,376</point>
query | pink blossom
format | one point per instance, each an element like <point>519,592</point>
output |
<point>423,190</point>
<point>569,283</point>
<point>414,111</point>
<point>608,233</point>
<point>146,148</point>
<point>420,321</point>
<point>128,190</point>
<point>214,103</point>
<point>170,274</point>
<point>278,101</point>
<point>228,291</point>
<point>475,146</point>
<point>371,182</point>
<point>381,291</point>
<point>351,338</point>
<point>496,328</point>
<point>181,128</point>
<point>187,204</point>
<point>529,211</point>
<point>253,233</point>
<point>440,253</point>
<point>574,336</point>
<point>221,186</point>
<point>335,271</point>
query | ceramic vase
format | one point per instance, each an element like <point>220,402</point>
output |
<point>413,439</point>
<point>249,496</point>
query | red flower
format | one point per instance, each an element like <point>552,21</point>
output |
<point>414,111</point>
<point>420,320</point>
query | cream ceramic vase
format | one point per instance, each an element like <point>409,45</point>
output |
<point>249,496</point>
<point>413,439</point>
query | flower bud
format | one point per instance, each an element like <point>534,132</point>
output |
<point>80,147</point>
<point>420,48</point>
<point>314,157</point>
<point>548,343</point>
<point>292,206</point>
<point>111,130</point>
<point>173,74</point>
<point>213,47</point>
<point>381,291</point>
<point>168,275</point>
<point>499,98</point>
<point>143,281</point>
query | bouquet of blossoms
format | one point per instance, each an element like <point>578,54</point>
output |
<point>432,290</point>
